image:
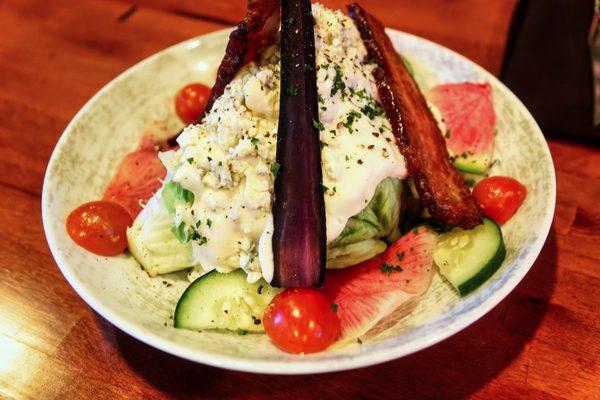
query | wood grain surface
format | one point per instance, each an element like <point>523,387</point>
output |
<point>543,341</point>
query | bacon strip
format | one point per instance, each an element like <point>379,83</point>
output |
<point>440,186</point>
<point>246,43</point>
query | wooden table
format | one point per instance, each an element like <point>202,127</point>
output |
<point>543,341</point>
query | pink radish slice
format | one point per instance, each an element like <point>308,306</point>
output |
<point>367,292</point>
<point>468,112</point>
<point>137,177</point>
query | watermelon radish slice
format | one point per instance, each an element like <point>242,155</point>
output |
<point>468,112</point>
<point>369,291</point>
<point>137,177</point>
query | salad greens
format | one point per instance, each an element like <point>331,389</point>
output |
<point>163,247</point>
<point>354,253</point>
<point>366,234</point>
<point>173,194</point>
<point>152,242</point>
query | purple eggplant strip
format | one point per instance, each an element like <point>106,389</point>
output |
<point>299,238</point>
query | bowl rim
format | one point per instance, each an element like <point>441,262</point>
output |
<point>301,365</point>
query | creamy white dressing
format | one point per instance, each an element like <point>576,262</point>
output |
<point>359,149</point>
<point>265,251</point>
<point>226,161</point>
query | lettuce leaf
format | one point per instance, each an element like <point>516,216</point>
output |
<point>354,253</point>
<point>366,234</point>
<point>153,244</point>
<point>174,194</point>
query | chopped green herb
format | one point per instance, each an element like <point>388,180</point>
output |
<point>400,256</point>
<point>470,182</point>
<point>240,332</point>
<point>208,222</point>
<point>198,223</point>
<point>334,307</point>
<point>447,135</point>
<point>292,90</point>
<point>362,93</point>
<point>190,160</point>
<point>318,125</point>
<point>322,144</point>
<point>388,269</point>
<point>324,188</point>
<point>372,111</point>
<point>254,141</point>
<point>352,115</point>
<point>347,158</point>
<point>320,99</point>
<point>338,82</point>
<point>199,238</point>
<point>358,341</point>
<point>325,66</point>
<point>275,169</point>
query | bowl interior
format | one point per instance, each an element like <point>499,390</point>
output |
<point>140,100</point>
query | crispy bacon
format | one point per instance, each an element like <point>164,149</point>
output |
<point>440,186</point>
<point>246,43</point>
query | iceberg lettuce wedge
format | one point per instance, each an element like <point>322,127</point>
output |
<point>153,244</point>
<point>366,234</point>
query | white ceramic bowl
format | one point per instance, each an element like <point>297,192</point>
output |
<point>109,126</point>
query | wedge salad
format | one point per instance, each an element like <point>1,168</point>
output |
<point>315,189</point>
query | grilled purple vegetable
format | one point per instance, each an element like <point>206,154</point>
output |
<point>299,236</point>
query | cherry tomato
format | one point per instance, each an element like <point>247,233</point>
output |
<point>190,101</point>
<point>99,227</point>
<point>499,197</point>
<point>301,321</point>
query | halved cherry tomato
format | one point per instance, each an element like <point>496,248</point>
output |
<point>190,101</point>
<point>301,321</point>
<point>499,197</point>
<point>99,227</point>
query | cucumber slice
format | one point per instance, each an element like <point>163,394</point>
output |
<point>472,165</point>
<point>469,258</point>
<point>224,301</point>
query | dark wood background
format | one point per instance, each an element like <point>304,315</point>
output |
<point>543,341</point>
